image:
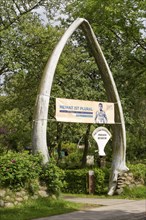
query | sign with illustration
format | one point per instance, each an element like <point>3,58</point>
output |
<point>71,110</point>
<point>101,135</point>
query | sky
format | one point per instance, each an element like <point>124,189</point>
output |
<point>55,22</point>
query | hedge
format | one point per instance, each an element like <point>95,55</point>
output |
<point>77,181</point>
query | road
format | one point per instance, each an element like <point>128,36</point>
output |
<point>111,209</point>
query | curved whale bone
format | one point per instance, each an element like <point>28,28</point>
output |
<point>39,136</point>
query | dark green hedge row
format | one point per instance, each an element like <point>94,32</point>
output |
<point>22,170</point>
<point>77,181</point>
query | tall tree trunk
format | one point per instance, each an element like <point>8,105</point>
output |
<point>86,142</point>
<point>59,139</point>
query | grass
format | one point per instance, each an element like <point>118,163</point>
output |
<point>135,192</point>
<point>42,207</point>
<point>129,193</point>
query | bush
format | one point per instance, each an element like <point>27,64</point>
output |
<point>22,170</point>
<point>19,170</point>
<point>53,176</point>
<point>138,170</point>
<point>100,185</point>
<point>72,161</point>
<point>77,181</point>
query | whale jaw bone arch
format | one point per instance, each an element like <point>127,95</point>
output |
<point>42,102</point>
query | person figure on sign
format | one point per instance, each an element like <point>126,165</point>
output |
<point>100,116</point>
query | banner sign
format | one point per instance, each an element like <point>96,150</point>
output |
<point>71,110</point>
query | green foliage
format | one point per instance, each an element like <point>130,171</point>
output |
<point>138,170</point>
<point>53,176</point>
<point>100,185</point>
<point>16,128</point>
<point>73,160</point>
<point>77,181</point>
<point>121,34</point>
<point>23,170</point>
<point>23,61</point>
<point>26,46</point>
<point>138,192</point>
<point>15,11</point>
<point>19,170</point>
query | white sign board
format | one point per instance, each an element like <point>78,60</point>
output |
<point>101,135</point>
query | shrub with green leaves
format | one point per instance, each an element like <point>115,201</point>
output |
<point>100,184</point>
<point>19,170</point>
<point>77,181</point>
<point>138,170</point>
<point>53,176</point>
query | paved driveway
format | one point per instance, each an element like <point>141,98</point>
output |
<point>112,209</point>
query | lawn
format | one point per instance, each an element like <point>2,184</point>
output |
<point>41,207</point>
<point>129,193</point>
<point>44,207</point>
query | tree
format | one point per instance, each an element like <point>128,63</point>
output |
<point>74,79</point>
<point>27,44</point>
<point>23,61</point>
<point>14,11</point>
<point>120,30</point>
<point>16,14</point>
<point>86,148</point>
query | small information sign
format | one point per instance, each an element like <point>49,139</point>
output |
<point>101,135</point>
